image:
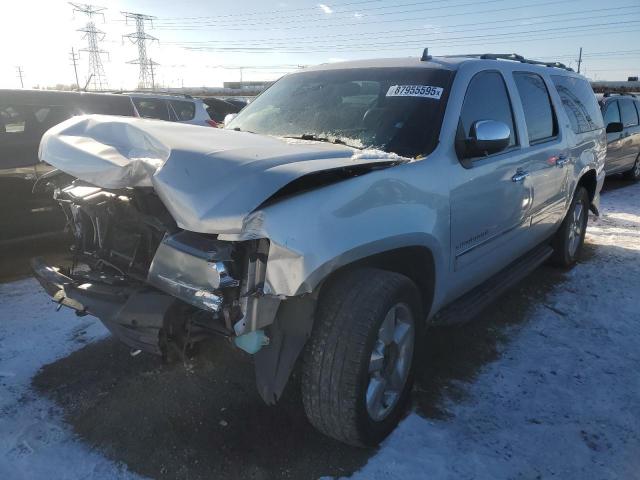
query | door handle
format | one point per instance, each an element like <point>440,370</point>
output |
<point>519,177</point>
<point>562,160</point>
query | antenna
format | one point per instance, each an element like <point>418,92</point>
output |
<point>140,38</point>
<point>93,37</point>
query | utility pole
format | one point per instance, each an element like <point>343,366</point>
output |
<point>579,59</point>
<point>140,38</point>
<point>93,37</point>
<point>20,74</point>
<point>153,79</point>
<point>74,59</point>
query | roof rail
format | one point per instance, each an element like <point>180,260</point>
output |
<point>513,57</point>
<point>608,94</point>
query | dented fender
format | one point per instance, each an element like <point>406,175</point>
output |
<point>345,222</point>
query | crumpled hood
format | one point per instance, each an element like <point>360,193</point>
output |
<point>209,179</point>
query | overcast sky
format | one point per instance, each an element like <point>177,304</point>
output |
<point>197,37</point>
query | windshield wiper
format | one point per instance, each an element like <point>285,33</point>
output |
<point>316,138</point>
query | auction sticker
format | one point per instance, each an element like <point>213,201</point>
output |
<point>414,91</point>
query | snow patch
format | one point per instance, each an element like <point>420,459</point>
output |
<point>34,441</point>
<point>562,401</point>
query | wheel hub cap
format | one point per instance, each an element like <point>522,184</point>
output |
<point>575,228</point>
<point>390,361</point>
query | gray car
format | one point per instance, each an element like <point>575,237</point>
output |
<point>337,217</point>
<point>622,120</point>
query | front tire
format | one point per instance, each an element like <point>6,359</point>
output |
<point>358,364</point>
<point>569,239</point>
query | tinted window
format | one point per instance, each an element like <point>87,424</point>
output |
<point>628,112</point>
<point>538,112</point>
<point>152,108</point>
<point>105,104</point>
<point>184,110</point>
<point>12,119</point>
<point>611,113</point>
<point>579,103</point>
<point>487,99</point>
<point>397,110</point>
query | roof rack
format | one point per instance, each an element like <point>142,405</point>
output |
<point>511,56</point>
<point>608,94</point>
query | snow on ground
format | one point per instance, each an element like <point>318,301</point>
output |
<point>563,400</point>
<point>34,442</point>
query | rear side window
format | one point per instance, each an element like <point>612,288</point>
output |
<point>538,112</point>
<point>105,105</point>
<point>628,112</point>
<point>579,103</point>
<point>12,119</point>
<point>184,110</point>
<point>152,108</point>
<point>612,113</point>
<point>31,120</point>
<point>487,99</point>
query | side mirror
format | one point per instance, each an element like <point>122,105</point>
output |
<point>615,127</point>
<point>229,117</point>
<point>486,137</point>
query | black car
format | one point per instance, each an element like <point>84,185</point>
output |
<point>218,108</point>
<point>621,113</point>
<point>24,117</point>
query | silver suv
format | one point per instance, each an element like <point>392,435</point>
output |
<point>336,218</point>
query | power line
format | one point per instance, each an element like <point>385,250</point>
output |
<point>93,37</point>
<point>289,10</point>
<point>301,25</point>
<point>473,26</point>
<point>531,37</point>
<point>140,38</point>
<point>397,43</point>
<point>216,21</point>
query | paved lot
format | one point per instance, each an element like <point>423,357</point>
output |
<point>204,419</point>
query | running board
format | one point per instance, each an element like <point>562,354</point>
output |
<point>472,303</point>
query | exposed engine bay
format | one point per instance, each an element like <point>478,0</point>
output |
<point>181,233</point>
<point>158,288</point>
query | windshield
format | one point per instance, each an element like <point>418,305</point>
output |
<point>397,110</point>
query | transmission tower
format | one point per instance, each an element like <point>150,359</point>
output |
<point>140,38</point>
<point>97,77</point>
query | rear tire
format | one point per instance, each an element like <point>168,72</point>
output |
<point>634,173</point>
<point>358,365</point>
<point>569,239</point>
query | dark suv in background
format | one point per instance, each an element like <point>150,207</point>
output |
<point>621,113</point>
<point>24,117</point>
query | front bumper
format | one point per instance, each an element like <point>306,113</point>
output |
<point>134,314</point>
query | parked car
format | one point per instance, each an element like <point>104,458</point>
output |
<point>238,102</point>
<point>621,114</point>
<point>24,116</point>
<point>339,215</point>
<point>172,108</point>
<point>218,109</point>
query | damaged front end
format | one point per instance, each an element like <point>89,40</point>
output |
<point>156,287</point>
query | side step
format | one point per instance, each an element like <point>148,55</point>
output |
<point>472,303</point>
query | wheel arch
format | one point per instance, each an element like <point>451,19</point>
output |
<point>416,262</point>
<point>589,180</point>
